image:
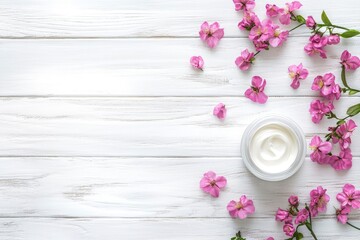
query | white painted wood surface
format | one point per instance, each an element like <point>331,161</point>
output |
<point>106,130</point>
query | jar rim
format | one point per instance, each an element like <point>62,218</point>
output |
<point>250,131</point>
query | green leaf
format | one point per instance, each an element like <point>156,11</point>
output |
<point>352,92</point>
<point>299,236</point>
<point>350,33</point>
<point>340,122</point>
<point>300,19</point>
<point>325,19</point>
<point>353,110</point>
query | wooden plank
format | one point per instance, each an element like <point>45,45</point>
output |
<point>151,187</point>
<point>144,18</point>
<point>142,126</point>
<point>161,229</point>
<point>154,67</point>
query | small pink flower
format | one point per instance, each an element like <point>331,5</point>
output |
<point>211,34</point>
<point>289,229</point>
<point>256,92</point>
<point>310,22</point>
<point>270,238</point>
<point>318,110</point>
<point>349,197</point>
<point>342,214</point>
<point>327,87</point>
<point>249,20</point>
<point>319,200</point>
<point>311,50</point>
<point>212,184</point>
<point>262,31</point>
<point>241,208</point>
<point>320,149</point>
<point>272,10</point>
<point>349,62</point>
<point>244,61</point>
<point>261,45</point>
<point>220,111</point>
<point>283,216</point>
<point>333,39</point>
<point>245,5</point>
<point>318,41</point>
<point>302,216</point>
<point>343,161</point>
<point>297,73</point>
<point>343,134</point>
<point>278,38</point>
<point>197,62</point>
<point>285,13</point>
<point>293,200</point>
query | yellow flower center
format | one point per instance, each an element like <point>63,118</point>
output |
<point>239,206</point>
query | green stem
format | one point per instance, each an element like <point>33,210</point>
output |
<point>343,79</point>
<point>257,53</point>
<point>334,26</point>
<point>352,225</point>
<point>311,231</point>
<point>296,27</point>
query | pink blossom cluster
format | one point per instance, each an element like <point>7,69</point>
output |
<point>293,216</point>
<point>318,42</point>
<point>263,34</point>
<point>322,150</point>
<point>349,199</point>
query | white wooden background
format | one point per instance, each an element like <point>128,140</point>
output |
<point>106,130</point>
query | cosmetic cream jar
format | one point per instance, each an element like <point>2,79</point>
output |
<point>273,148</point>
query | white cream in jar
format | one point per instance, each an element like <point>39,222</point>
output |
<point>273,148</point>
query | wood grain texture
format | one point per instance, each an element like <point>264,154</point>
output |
<point>159,229</point>
<point>168,126</point>
<point>144,18</point>
<point>155,67</point>
<point>151,187</point>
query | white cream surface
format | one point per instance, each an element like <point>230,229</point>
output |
<point>273,148</point>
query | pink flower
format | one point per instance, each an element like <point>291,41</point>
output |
<point>310,22</point>
<point>316,45</point>
<point>318,201</point>
<point>244,61</point>
<point>333,39</point>
<point>293,200</point>
<point>212,184</point>
<point>343,161</point>
<point>327,87</point>
<point>256,92</point>
<point>343,134</point>
<point>283,216</point>
<point>211,34</point>
<point>285,13</point>
<point>342,214</point>
<point>349,62</point>
<point>289,229</point>
<point>242,208</point>
<point>272,10</point>
<point>261,45</point>
<point>311,50</point>
<point>278,38</point>
<point>220,111</point>
<point>302,216</point>
<point>245,5</point>
<point>320,149</point>
<point>349,197</point>
<point>197,62</point>
<point>249,20</point>
<point>270,238</point>
<point>263,31</point>
<point>318,41</point>
<point>319,109</point>
<point>297,73</point>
